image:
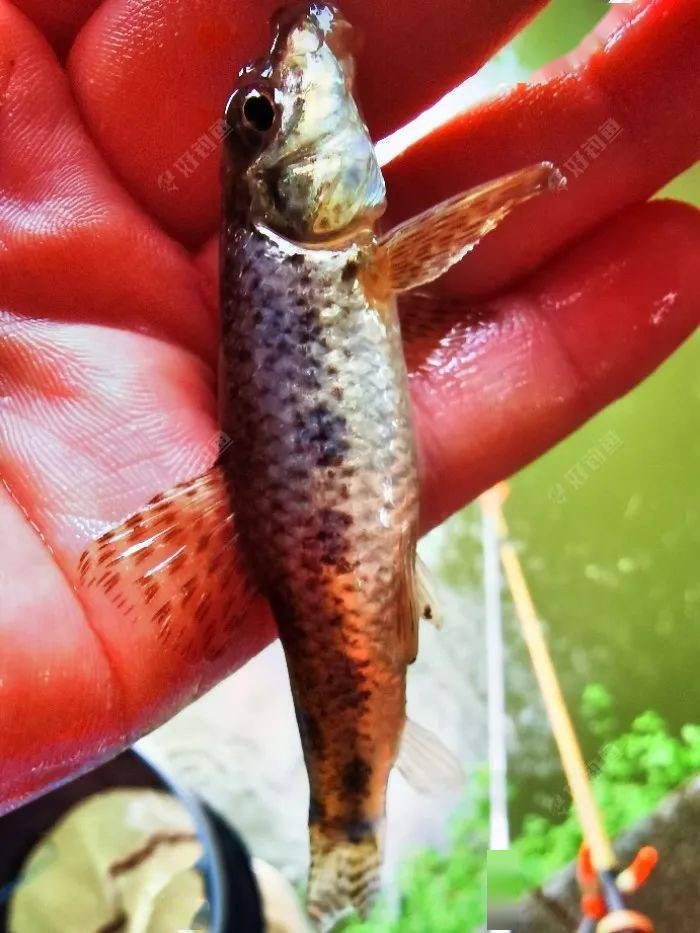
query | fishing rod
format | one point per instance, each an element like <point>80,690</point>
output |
<point>603,888</point>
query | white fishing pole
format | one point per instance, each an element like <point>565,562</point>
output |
<point>499,829</point>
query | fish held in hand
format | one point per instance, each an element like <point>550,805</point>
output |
<point>316,491</point>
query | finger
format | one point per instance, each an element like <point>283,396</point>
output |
<point>57,694</point>
<point>73,245</point>
<point>152,76</point>
<point>619,127</point>
<point>492,393</point>
<point>58,20</point>
<point>398,77</point>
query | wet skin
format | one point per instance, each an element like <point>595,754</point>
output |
<point>109,330</point>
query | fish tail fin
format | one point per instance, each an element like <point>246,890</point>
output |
<point>344,875</point>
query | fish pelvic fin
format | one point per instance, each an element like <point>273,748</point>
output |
<point>344,875</point>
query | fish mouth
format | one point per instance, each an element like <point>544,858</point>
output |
<point>323,19</point>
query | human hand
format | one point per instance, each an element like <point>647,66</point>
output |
<point>108,335</point>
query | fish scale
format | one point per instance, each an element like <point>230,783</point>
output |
<point>330,566</point>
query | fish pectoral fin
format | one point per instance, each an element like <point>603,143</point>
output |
<point>425,762</point>
<point>425,247</point>
<point>428,606</point>
<point>175,564</point>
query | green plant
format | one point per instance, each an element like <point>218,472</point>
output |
<point>446,892</point>
<point>631,775</point>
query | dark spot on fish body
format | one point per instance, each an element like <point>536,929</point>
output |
<point>317,811</point>
<point>334,517</point>
<point>349,271</point>
<point>356,776</point>
<point>358,831</point>
<point>311,735</point>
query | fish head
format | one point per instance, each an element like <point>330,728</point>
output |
<point>298,156</point>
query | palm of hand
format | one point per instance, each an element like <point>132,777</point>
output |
<point>108,322</point>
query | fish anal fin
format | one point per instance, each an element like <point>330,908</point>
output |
<point>423,248</point>
<point>174,564</point>
<point>425,762</point>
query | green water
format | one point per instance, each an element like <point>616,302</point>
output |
<point>607,523</point>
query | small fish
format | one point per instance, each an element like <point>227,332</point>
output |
<point>316,491</point>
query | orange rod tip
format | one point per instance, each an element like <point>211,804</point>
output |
<point>639,870</point>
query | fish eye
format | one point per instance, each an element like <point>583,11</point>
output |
<point>251,113</point>
<point>258,111</point>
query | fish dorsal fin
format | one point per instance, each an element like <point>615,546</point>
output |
<point>175,564</point>
<point>428,605</point>
<point>425,247</point>
<point>425,762</point>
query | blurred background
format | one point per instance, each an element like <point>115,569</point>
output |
<point>607,529</point>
